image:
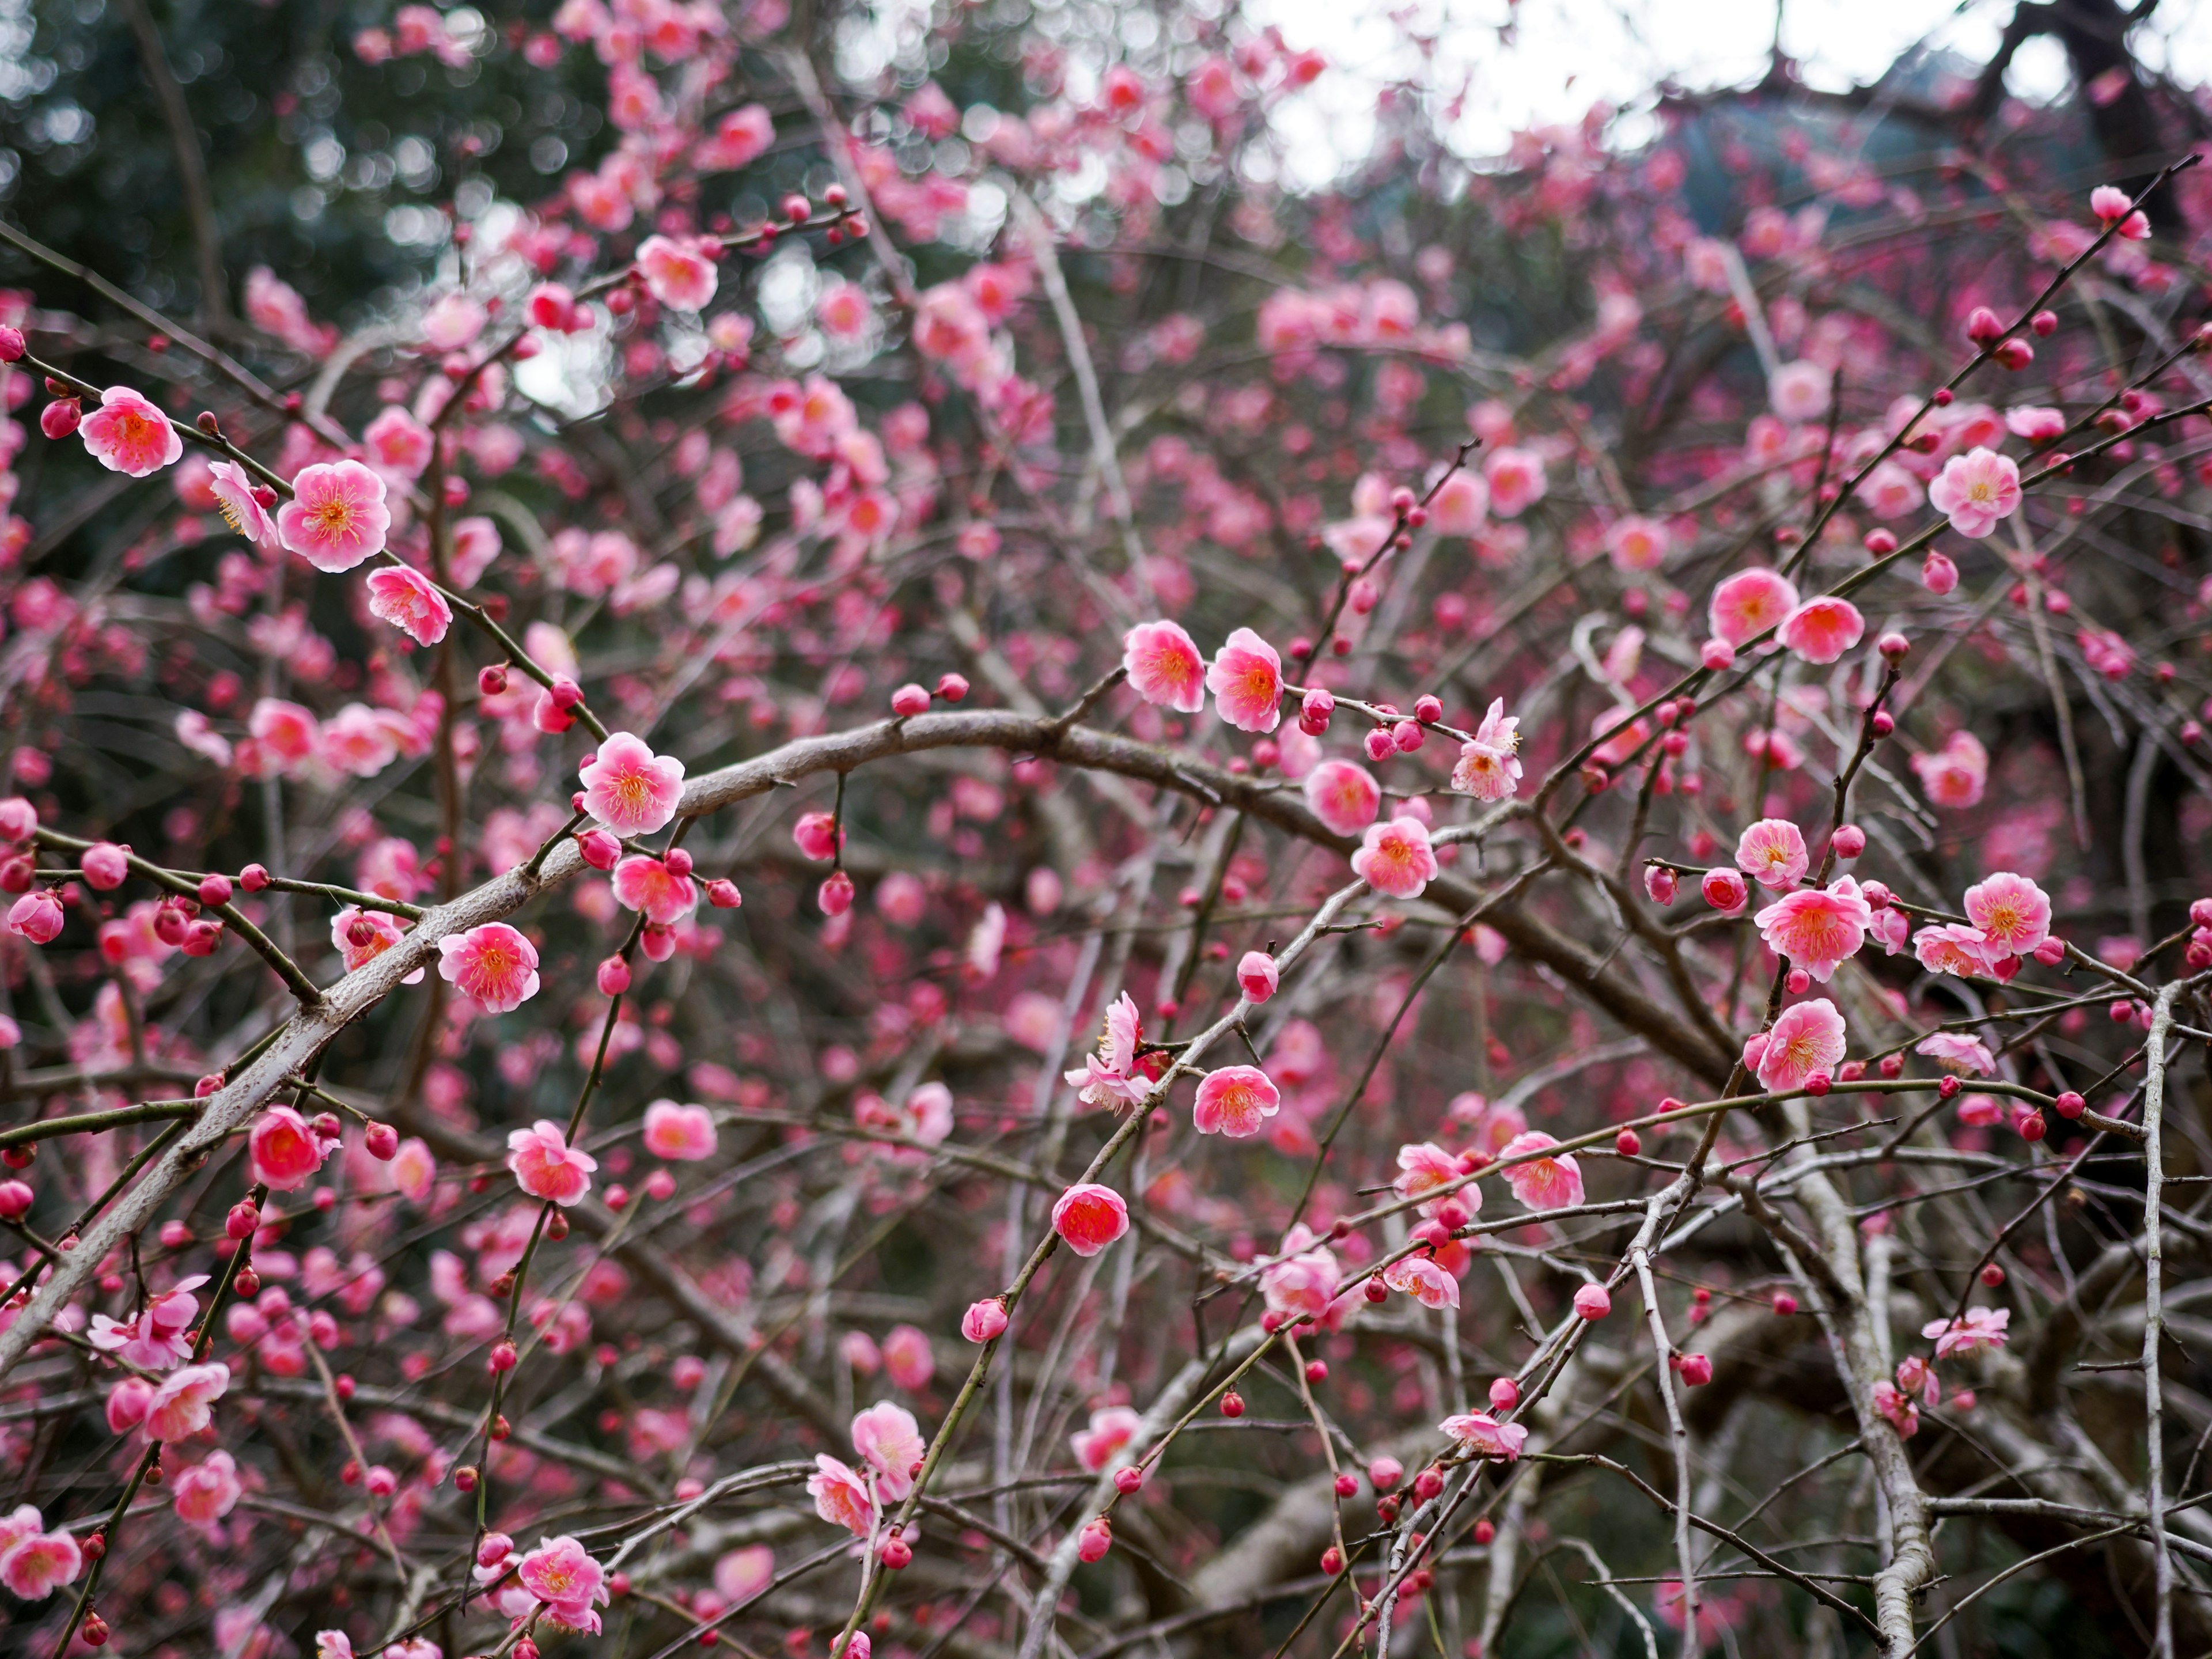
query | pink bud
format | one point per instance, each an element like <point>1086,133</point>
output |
<point>1661,884</point>
<point>1938,574</point>
<point>1894,647</point>
<point>1257,976</point>
<point>2014,353</point>
<point>836,895</point>
<point>1504,1395</point>
<point>722,893</point>
<point>59,418</point>
<point>909,699</point>
<point>984,1320</point>
<point>601,850</point>
<point>1314,710</point>
<point>105,866</point>
<point>1628,1143</point>
<point>566,694</point>
<point>1128,1480</point>
<point>1697,1370</point>
<point>1385,1473</point>
<point>382,1141</point>
<point>1982,327</point>
<point>614,976</point>
<point>1096,1539</point>
<point>1592,1302</point>
<point>676,862</point>
<point>11,346</point>
<point>214,890</point>
<point>1381,745</point>
<point>1724,889</point>
<point>952,687</point>
<point>15,1198</point>
<point>1408,736</point>
<point>1850,841</point>
<point>1717,655</point>
<point>1785,1303</point>
<point>2032,1126</point>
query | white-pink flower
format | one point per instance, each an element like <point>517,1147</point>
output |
<point>561,1574</point>
<point>546,1166</point>
<point>888,1439</point>
<point>1749,603</point>
<point>1771,852</point>
<point>1164,666</point>
<point>840,1496</point>
<point>1980,1328</point>
<point>1541,1183</point>
<point>1822,629</point>
<point>1516,483</point>
<point>493,962</point>
<point>1422,1278</point>
<point>1799,392</point>
<point>409,601</point>
<point>1112,1427</point>
<point>1236,1100</point>
<point>1424,1167</point>
<point>1344,796</point>
<point>1958,1052</point>
<point>1303,1283</point>
<point>1955,775</point>
<point>679,273</point>
<point>1951,947</point>
<point>1110,1075</point>
<point>158,1337</point>
<point>1395,858</point>
<point>1636,542</point>
<point>1817,928</point>
<point>631,789</point>
<point>1806,1037</point>
<point>34,1562</point>
<point>337,517</point>
<point>128,434</point>
<point>1976,489</point>
<point>1483,1434</point>
<point>184,1403</point>
<point>2011,911</point>
<point>681,1135</point>
<point>1247,683</point>
<point>1488,766</point>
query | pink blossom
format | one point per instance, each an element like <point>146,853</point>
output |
<point>361,936</point>
<point>561,1574</point>
<point>1954,774</point>
<point>1636,544</point>
<point>1822,629</point>
<point>2035,423</point>
<point>817,836</point>
<point>840,1496</point>
<point>680,276</point>
<point>887,1437</point>
<point>35,1563</point>
<point>2012,912</point>
<point>337,517</point>
<point>37,917</point>
<point>1112,1427</point>
<point>1481,1433</point>
<point>1976,489</point>
<point>631,789</point>
<point>1488,768</point>
<point>908,1359</point>
<point>984,1320</point>
<point>1724,889</point>
<point>1395,858</point>
<point>1257,975</point>
<point>1235,1101</point>
<point>1771,852</point>
<point>285,1151</point>
<point>1421,1278</point>
<point>1247,683</point>
<point>1089,1216</point>
<point>398,444</point>
<point>1980,1328</point>
<point>681,1135</point>
<point>1750,603</point>
<point>1425,1168</point>
<point>1956,1051</point>
<point>287,730</point>
<point>126,1405</point>
<point>237,498</point>
<point>1541,1183</point>
<point>1344,796</point>
<point>1592,1302</point>
<point>1817,928</point>
<point>207,1490</point>
<point>1799,392</point>
<point>493,962</point>
<point>1806,1037</point>
<point>546,1166</point>
<point>1165,667</point>
<point>128,434</point>
<point>1516,477</point>
<point>158,1337</point>
<point>1953,948</point>
<point>650,886</point>
<point>1981,1111</point>
<point>1110,1074</point>
<point>410,602</point>
<point>1897,1406</point>
<point>1301,1283</point>
<point>184,1403</point>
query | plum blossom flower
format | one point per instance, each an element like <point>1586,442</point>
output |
<point>361,936</point>
<point>34,1562</point>
<point>1980,1328</point>
<point>235,498</point>
<point>1955,775</point>
<point>1425,1168</point>
<point>1110,1074</point>
<point>679,273</point>
<point>1112,1427</point>
<point>1303,1282</point>
<point>1724,889</point>
<point>284,1149</point>
<point>184,1403</point>
<point>1806,1037</point>
<point>1636,544</point>
<point>1541,1183</point>
<point>410,602</point>
<point>1749,603</point>
<point>2011,911</point>
<point>207,1490</point>
<point>158,1336</point>
<point>1235,1101</point>
<point>1822,629</point>
<point>1817,928</point>
<point>648,886</point>
<point>984,1320</point>
<point>1799,392</point>
<point>1899,1407</point>
<point>337,516</point>
<point>1976,489</point>
<point>128,434</point>
<point>1957,1051</point>
<point>1516,477</point>
<point>1395,858</point>
<point>1089,1217</point>
<point>561,1574</point>
<point>1421,1278</point>
<point>1481,1433</point>
<point>1489,767</point>
<point>840,1496</point>
<point>886,1436</point>
<point>1771,852</point>
<point>493,962</point>
<point>1247,683</point>
<point>681,1135</point>
<point>1164,666</point>
<point>1951,948</point>
<point>546,1166</point>
<point>1344,796</point>
<point>631,789</point>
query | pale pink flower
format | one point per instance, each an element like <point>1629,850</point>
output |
<point>1799,392</point>
<point>631,789</point>
<point>1749,603</point>
<point>1424,1167</point>
<point>1164,666</point>
<point>1822,629</point>
<point>561,1574</point>
<point>35,1563</point>
<point>1395,858</point>
<point>1958,1052</point>
<point>1247,683</point>
<point>1976,489</point>
<point>209,1490</point>
<point>2012,912</point>
<point>158,1337</point>
<point>1981,1111</point>
<point>1637,544</point>
<point>1481,1433</point>
<point>234,488</point>
<point>1897,1406</point>
<point>2035,423</point>
<point>337,517</point>
<point>1112,1427</point>
<point>1953,948</point>
<point>1488,768</point>
<point>1955,775</point>
<point>1516,477</point>
<point>1981,1327</point>
<point>984,1320</point>
<point>840,1496</point>
<point>546,1166</point>
<point>184,1403</point>
<point>1817,928</point>
<point>1541,1183</point>
<point>1422,1278</point>
<point>678,274</point>
<point>649,885</point>
<point>398,444</point>
<point>1806,1037</point>
<point>493,963</point>
<point>1771,852</point>
<point>1344,796</point>
<point>1089,1216</point>
<point>1303,1283</point>
<point>1110,1074</point>
<point>1235,1101</point>
<point>410,602</point>
<point>128,434</point>
<point>908,1359</point>
<point>284,1149</point>
<point>681,1135</point>
<point>887,1436</point>
<point>1460,504</point>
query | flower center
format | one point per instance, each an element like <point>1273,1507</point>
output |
<point>334,517</point>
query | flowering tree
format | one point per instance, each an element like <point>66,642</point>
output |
<point>897,869</point>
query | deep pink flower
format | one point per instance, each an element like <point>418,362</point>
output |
<point>1236,1102</point>
<point>840,1496</point>
<point>35,1563</point>
<point>650,886</point>
<point>1771,852</point>
<point>1484,1435</point>
<point>1488,768</point>
<point>1541,1183</point>
<point>1749,603</point>
<point>184,1403</point>
<point>561,1574</point>
<point>678,274</point>
<point>1247,683</point>
<point>1955,775</point>
<point>1112,1427</point>
<point>1899,1407</point>
<point>284,1149</point>
<point>207,1490</point>
<point>631,789</point>
<point>337,517</point>
<point>1724,889</point>
<point>546,1166</point>
<point>128,434</point>
<point>410,602</point>
<point>1806,1037</point>
<point>1395,858</point>
<point>361,936</point>
<point>1089,1216</point>
<point>1822,629</point>
<point>1344,796</point>
<point>493,963</point>
<point>1164,666</point>
<point>1976,489</point>
<point>237,499</point>
<point>1815,927</point>
<point>2012,912</point>
<point>681,1135</point>
<point>888,1440</point>
<point>37,917</point>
